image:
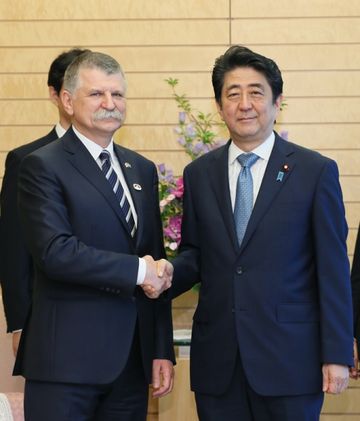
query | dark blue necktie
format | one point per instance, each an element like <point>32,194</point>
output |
<point>244,194</point>
<point>117,188</point>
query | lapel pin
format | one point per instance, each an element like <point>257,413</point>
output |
<point>127,165</point>
<point>285,168</point>
<point>137,187</point>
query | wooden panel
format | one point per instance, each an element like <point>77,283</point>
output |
<point>23,86</point>
<point>351,239</point>
<point>28,112</point>
<point>311,57</point>
<point>351,188</point>
<point>189,58</point>
<point>333,110</point>
<point>14,136</point>
<point>182,318</point>
<point>86,33</point>
<point>108,9</point>
<point>296,31</point>
<point>353,215</point>
<point>2,162</point>
<point>322,83</point>
<point>188,299</point>
<point>324,136</point>
<point>284,8</point>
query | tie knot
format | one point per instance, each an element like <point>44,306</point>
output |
<point>247,159</point>
<point>104,155</point>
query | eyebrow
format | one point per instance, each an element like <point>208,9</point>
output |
<point>251,85</point>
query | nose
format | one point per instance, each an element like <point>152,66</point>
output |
<point>244,102</point>
<point>108,102</point>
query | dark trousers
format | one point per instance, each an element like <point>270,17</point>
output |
<point>123,400</point>
<point>242,403</point>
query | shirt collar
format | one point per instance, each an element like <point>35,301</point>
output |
<point>93,148</point>
<point>60,131</point>
<point>263,151</point>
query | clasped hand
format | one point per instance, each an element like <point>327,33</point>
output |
<point>158,276</point>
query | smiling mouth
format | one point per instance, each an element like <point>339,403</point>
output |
<point>246,118</point>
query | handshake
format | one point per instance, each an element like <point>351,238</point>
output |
<point>158,276</point>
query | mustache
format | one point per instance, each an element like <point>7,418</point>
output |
<point>105,114</point>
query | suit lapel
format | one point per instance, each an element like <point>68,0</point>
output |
<point>219,180</point>
<point>278,170</point>
<point>81,159</point>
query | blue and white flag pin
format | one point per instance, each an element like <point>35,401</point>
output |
<point>280,176</point>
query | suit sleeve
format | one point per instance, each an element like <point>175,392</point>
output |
<point>332,265</point>
<point>16,262</point>
<point>355,283</point>
<point>187,263</point>
<point>56,250</point>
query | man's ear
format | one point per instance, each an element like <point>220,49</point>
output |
<point>278,102</point>
<point>66,100</point>
<point>53,95</point>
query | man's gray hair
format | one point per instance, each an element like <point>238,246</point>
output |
<point>89,60</point>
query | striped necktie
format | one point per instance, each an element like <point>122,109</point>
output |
<point>244,194</point>
<point>117,188</point>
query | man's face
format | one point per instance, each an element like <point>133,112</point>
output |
<point>98,105</point>
<point>247,107</point>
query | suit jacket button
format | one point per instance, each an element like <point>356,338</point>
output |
<point>239,270</point>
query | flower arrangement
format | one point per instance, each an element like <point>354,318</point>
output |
<point>196,135</point>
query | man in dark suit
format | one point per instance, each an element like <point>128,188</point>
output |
<point>89,208</point>
<point>16,263</point>
<point>265,235</point>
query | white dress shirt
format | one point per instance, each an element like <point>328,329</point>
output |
<point>60,131</point>
<point>263,151</point>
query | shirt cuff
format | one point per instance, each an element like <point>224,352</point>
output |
<point>141,271</point>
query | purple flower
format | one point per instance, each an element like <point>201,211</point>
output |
<point>173,230</point>
<point>182,117</point>
<point>161,168</point>
<point>178,130</point>
<point>181,140</point>
<point>190,130</point>
<point>179,191</point>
